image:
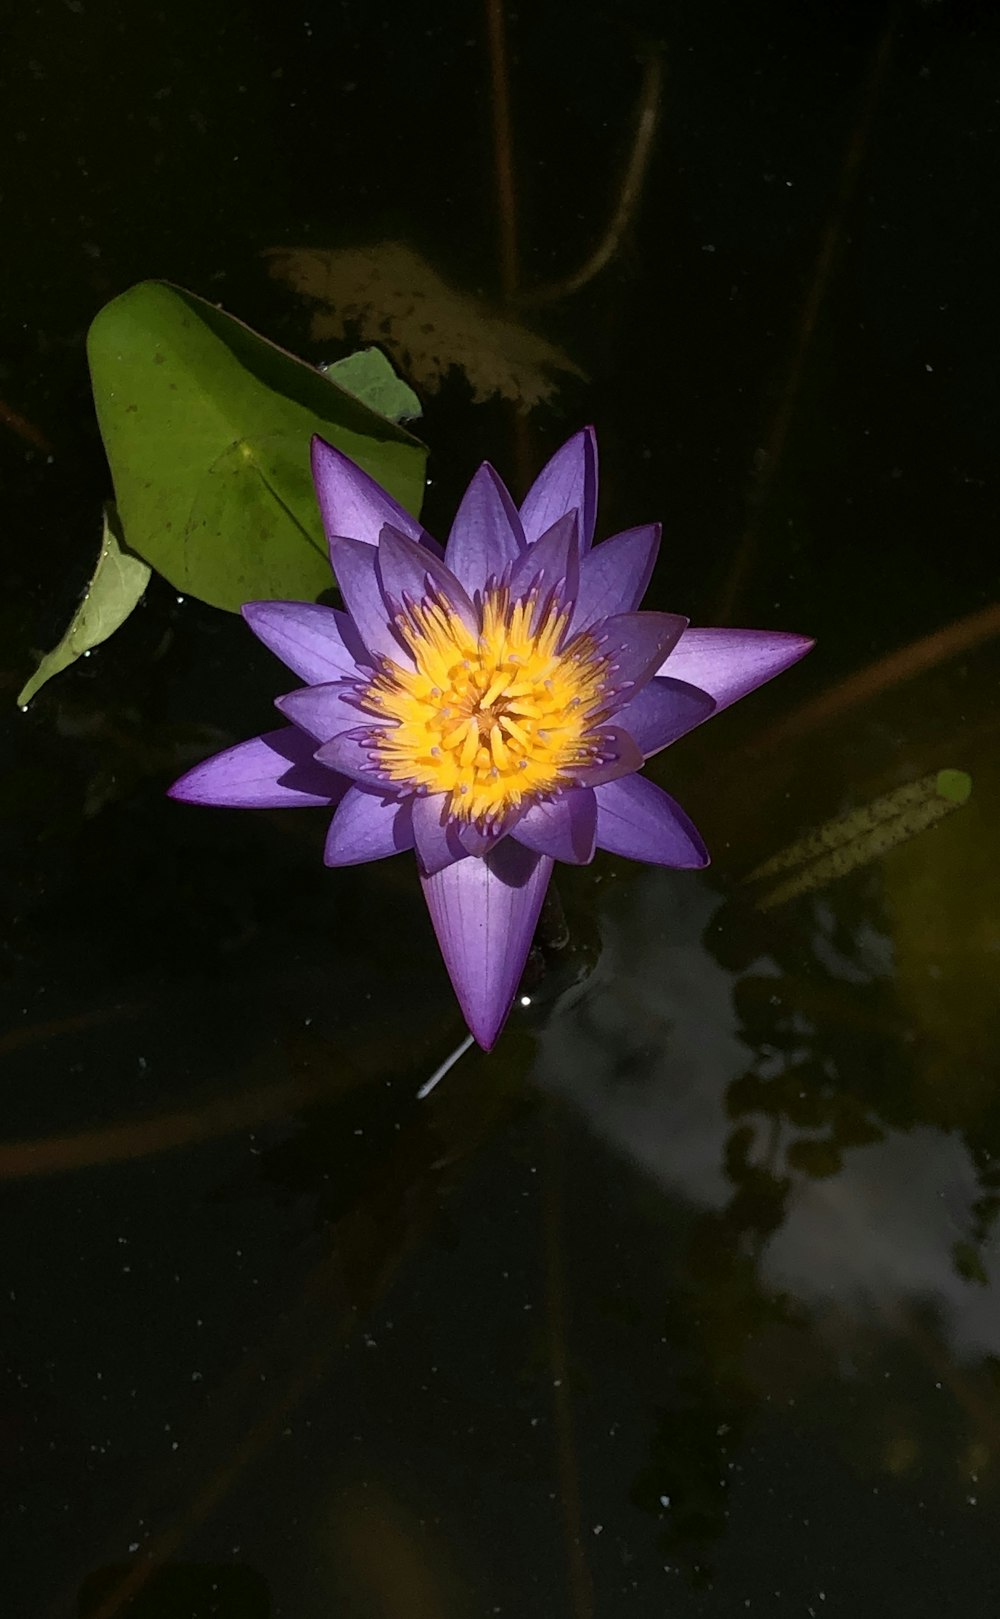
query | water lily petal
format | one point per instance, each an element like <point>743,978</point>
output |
<point>662,711</point>
<point>566,483</point>
<point>474,841</point>
<point>352,503</point>
<point>486,536</point>
<point>355,564</point>
<point>564,828</point>
<point>620,754</point>
<point>368,826</point>
<point>274,771</point>
<point>406,569</point>
<point>614,576</point>
<point>730,663</point>
<point>321,711</point>
<point>554,559</point>
<point>484,914</point>
<point>318,643</point>
<point>637,643</point>
<point>436,836</point>
<point>350,754</point>
<point>637,819</point>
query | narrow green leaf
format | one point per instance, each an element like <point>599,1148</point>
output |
<point>370,377</point>
<point>116,586</point>
<point>868,833</point>
<point>847,829</point>
<point>207,429</point>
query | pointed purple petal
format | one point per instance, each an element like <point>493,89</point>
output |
<point>368,826</point>
<point>563,828</point>
<point>274,771</point>
<point>615,574</point>
<point>637,819</point>
<point>352,503</point>
<point>620,755</point>
<point>637,644</point>
<point>730,663</point>
<point>355,564</point>
<point>409,570</point>
<point>318,643</point>
<point>350,754</point>
<point>486,536</point>
<point>484,914</point>
<point>567,483</point>
<point>474,841</point>
<point>663,711</point>
<point>553,560</point>
<point>321,711</point>
<point>435,834</point>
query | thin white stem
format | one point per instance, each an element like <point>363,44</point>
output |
<point>449,1062</point>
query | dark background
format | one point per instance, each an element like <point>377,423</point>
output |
<point>682,1300</point>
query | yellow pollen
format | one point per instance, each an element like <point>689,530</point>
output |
<point>494,718</point>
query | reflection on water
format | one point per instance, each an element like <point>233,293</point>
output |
<point>830,1233</point>
<point>733,1089</point>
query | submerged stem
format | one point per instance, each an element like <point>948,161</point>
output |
<point>503,146</point>
<point>629,195</point>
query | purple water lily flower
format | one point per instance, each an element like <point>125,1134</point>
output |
<point>488,706</point>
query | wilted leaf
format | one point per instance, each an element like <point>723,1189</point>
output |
<point>369,376</point>
<point>841,846</point>
<point>389,295</point>
<point>116,586</point>
<point>207,429</point>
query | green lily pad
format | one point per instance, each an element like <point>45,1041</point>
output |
<point>207,428</point>
<point>370,377</point>
<point>116,586</point>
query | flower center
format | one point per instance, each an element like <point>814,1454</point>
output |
<point>495,719</point>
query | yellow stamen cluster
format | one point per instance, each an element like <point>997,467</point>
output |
<point>493,719</point>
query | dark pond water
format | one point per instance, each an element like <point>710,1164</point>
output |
<point>684,1300</point>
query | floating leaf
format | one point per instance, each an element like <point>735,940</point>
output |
<point>116,586</point>
<point>207,429</point>
<point>390,295</point>
<point>841,846</point>
<point>370,377</point>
